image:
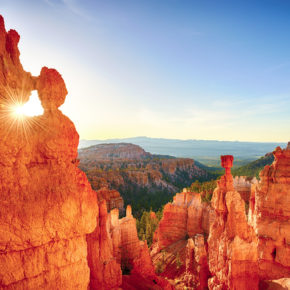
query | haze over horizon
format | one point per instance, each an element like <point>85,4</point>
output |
<point>164,69</point>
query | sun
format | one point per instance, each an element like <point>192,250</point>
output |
<point>31,108</point>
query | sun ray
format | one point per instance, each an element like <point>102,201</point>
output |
<point>19,117</point>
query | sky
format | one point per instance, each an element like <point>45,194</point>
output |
<point>212,70</point>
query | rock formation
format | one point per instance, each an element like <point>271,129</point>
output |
<point>105,270</point>
<point>112,198</point>
<point>232,244</point>
<point>270,216</point>
<point>243,253</point>
<point>179,250</point>
<point>47,205</point>
<point>185,217</point>
<point>137,174</point>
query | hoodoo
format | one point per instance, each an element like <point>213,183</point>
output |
<point>47,205</point>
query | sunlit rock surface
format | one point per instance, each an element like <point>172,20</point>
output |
<point>105,269</point>
<point>185,217</point>
<point>47,205</point>
<point>244,251</point>
<point>112,198</point>
<point>271,217</point>
<point>232,244</point>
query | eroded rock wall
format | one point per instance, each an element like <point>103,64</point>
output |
<point>47,205</point>
<point>185,217</point>
<point>232,244</point>
<point>271,215</point>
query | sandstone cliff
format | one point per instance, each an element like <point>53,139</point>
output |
<point>179,249</point>
<point>270,216</point>
<point>112,198</point>
<point>47,205</point>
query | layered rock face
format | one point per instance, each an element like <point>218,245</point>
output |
<point>53,232</point>
<point>47,205</point>
<point>185,217</point>
<point>118,165</point>
<point>103,255</point>
<point>179,249</point>
<point>270,216</point>
<point>243,253</point>
<point>112,198</point>
<point>232,244</point>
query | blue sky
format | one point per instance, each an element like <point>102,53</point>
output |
<point>172,69</point>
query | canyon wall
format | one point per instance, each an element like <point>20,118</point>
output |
<point>185,217</point>
<point>270,216</point>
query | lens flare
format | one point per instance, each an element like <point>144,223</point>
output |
<point>30,109</point>
<point>17,115</point>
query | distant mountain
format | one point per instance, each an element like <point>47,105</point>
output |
<point>144,180</point>
<point>206,151</point>
<point>253,168</point>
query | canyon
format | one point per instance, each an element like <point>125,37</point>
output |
<point>56,232</point>
<point>144,180</point>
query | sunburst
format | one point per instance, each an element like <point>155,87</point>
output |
<point>18,117</point>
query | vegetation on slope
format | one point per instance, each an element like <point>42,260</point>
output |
<point>147,225</point>
<point>253,169</point>
<point>204,188</point>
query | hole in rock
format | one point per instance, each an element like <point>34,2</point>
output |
<point>31,108</point>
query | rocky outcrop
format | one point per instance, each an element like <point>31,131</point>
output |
<point>270,215</point>
<point>53,232</point>
<point>243,253</point>
<point>105,270</point>
<point>132,254</point>
<point>112,198</point>
<point>113,151</point>
<point>47,205</point>
<point>232,244</point>
<point>185,217</point>
<point>179,249</point>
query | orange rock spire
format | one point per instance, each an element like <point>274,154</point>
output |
<point>47,205</point>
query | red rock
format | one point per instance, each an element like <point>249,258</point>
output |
<point>112,197</point>
<point>185,217</point>
<point>270,217</point>
<point>105,272</point>
<point>232,244</point>
<point>51,89</point>
<point>200,256</point>
<point>153,215</point>
<point>135,256</point>
<point>47,205</point>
